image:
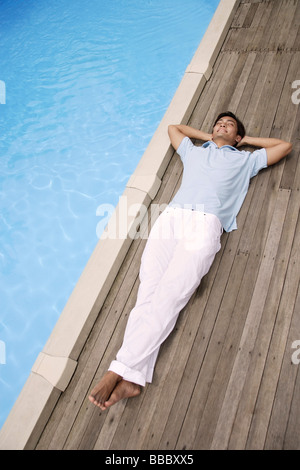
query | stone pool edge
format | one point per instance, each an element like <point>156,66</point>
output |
<point>55,365</point>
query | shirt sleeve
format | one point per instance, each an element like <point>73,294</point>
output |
<point>185,146</point>
<point>258,160</point>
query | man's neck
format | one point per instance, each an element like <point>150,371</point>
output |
<point>220,142</point>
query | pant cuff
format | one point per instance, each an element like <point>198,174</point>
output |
<point>126,373</point>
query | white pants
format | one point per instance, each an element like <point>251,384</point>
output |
<point>179,252</point>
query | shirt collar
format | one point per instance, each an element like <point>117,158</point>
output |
<point>210,142</point>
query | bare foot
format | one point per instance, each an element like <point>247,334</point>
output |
<point>102,391</point>
<point>123,389</point>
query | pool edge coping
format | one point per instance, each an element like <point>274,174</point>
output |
<point>56,364</point>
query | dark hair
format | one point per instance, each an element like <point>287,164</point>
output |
<point>240,125</point>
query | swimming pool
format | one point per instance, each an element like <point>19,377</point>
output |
<point>85,84</point>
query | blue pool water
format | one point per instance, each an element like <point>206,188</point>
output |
<point>84,84</point>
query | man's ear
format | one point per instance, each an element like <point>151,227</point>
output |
<point>238,139</point>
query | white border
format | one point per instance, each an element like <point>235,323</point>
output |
<point>55,365</point>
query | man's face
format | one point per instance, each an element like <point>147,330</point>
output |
<point>226,129</point>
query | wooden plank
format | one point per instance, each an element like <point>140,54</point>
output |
<point>220,355</point>
<point>211,101</point>
<point>249,90</point>
<point>283,25</point>
<point>281,412</point>
<point>226,84</point>
<point>246,34</point>
<point>260,385</point>
<point>291,126</point>
<point>256,108</point>
<point>268,14</point>
<point>231,40</point>
<point>280,305</point>
<point>276,98</point>
<point>241,364</point>
<point>292,41</point>
<point>255,37</point>
<point>296,46</point>
<point>249,20</point>
<point>284,391</point>
<point>108,429</point>
<point>274,93</point>
<point>242,82</point>
<point>241,15</point>
<point>266,179</point>
<point>291,438</point>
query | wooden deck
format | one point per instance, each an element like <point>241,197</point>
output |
<point>225,377</point>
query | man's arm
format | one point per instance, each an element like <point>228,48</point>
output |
<point>276,148</point>
<point>178,132</point>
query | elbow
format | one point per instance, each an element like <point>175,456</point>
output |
<point>170,127</point>
<point>288,148</point>
<point>172,130</point>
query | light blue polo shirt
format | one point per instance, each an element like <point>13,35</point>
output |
<point>216,180</point>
